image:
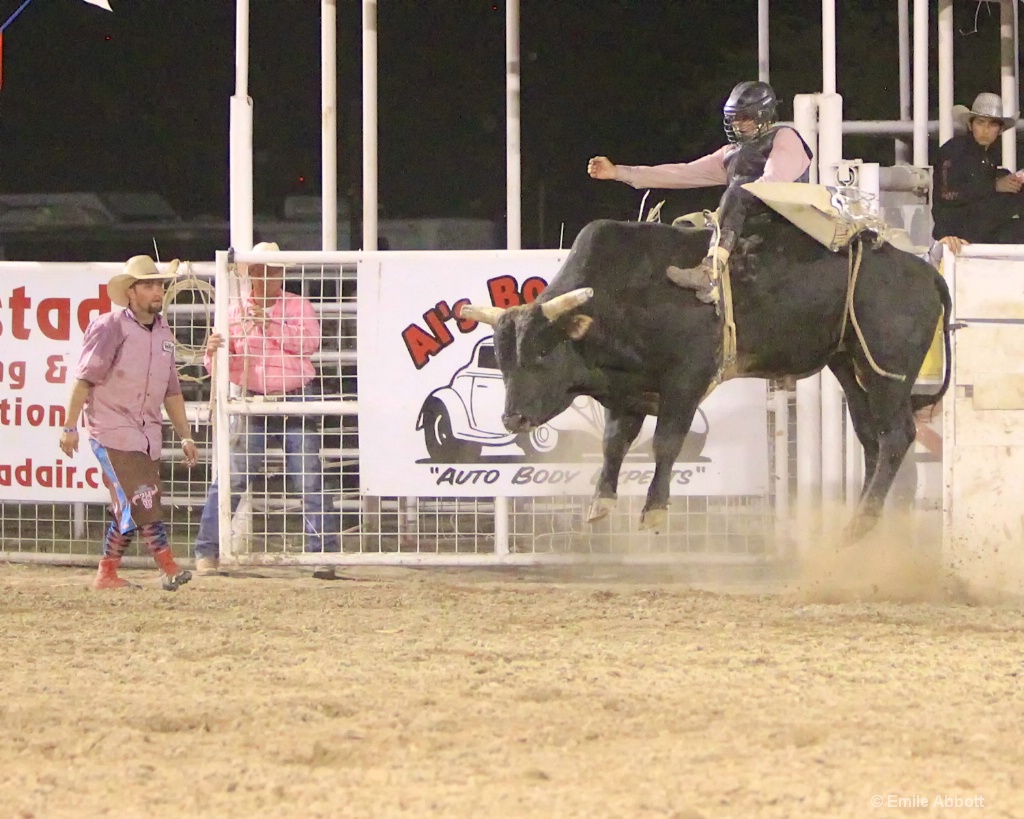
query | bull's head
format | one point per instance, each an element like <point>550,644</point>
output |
<point>542,366</point>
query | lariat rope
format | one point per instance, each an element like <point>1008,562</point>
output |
<point>191,355</point>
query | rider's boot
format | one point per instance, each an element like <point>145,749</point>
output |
<point>704,277</point>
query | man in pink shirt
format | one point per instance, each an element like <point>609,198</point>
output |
<point>758,151</point>
<point>272,335</point>
<point>125,374</point>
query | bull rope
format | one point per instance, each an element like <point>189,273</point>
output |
<point>727,369</point>
<point>728,320</point>
<point>851,313</point>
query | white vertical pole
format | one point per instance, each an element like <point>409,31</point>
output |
<point>513,200</point>
<point>78,520</point>
<point>763,49</point>
<point>805,120</point>
<point>870,183</point>
<point>241,225</point>
<point>949,414</point>
<point>808,390</point>
<point>920,82</point>
<point>780,408</point>
<point>830,137</point>
<point>828,46</point>
<point>1008,78</point>
<point>221,420</point>
<point>830,153</point>
<point>902,154</point>
<point>370,507</point>
<point>514,147</point>
<point>808,441</point>
<point>329,132</point>
<point>240,138</point>
<point>329,123</point>
<point>854,464</point>
<point>945,70</point>
<point>868,177</point>
<point>369,124</point>
<point>1016,56</point>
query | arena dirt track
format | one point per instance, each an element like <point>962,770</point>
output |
<point>500,694</point>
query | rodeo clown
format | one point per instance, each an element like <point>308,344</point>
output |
<point>125,373</point>
<point>758,151</point>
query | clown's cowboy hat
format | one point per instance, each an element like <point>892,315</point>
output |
<point>137,269</point>
<point>985,105</point>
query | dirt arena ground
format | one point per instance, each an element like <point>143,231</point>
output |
<point>570,693</point>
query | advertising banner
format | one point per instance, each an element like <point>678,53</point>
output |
<point>44,310</point>
<point>431,396</point>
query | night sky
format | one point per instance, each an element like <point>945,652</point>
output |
<point>138,99</point>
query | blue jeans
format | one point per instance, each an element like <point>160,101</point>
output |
<point>300,439</point>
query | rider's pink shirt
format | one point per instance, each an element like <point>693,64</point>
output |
<point>786,163</point>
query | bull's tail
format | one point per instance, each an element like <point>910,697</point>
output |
<point>922,400</point>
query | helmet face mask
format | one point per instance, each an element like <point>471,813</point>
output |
<point>749,102</point>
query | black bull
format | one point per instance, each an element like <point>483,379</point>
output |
<point>611,326</point>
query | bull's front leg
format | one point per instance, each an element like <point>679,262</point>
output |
<point>668,441</point>
<point>620,430</point>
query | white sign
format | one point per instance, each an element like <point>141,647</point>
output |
<point>431,397</point>
<point>44,311</point>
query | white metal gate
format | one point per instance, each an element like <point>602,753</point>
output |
<point>983,420</point>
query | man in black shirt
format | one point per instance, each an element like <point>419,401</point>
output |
<point>975,199</point>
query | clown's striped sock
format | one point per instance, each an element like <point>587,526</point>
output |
<point>114,543</point>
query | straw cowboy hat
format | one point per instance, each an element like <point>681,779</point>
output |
<point>985,105</point>
<point>137,269</point>
<point>268,247</point>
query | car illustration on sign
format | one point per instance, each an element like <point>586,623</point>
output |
<point>461,419</point>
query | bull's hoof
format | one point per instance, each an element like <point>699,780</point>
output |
<point>857,529</point>
<point>654,520</point>
<point>600,509</point>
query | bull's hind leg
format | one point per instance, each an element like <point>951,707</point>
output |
<point>860,413</point>
<point>889,404</point>
<point>620,430</point>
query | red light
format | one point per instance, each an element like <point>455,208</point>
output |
<point>302,179</point>
<point>107,38</point>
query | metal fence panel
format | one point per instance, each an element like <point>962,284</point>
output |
<point>269,526</point>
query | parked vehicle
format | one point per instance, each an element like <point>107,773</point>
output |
<point>461,419</point>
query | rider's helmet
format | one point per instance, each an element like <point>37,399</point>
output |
<point>755,101</point>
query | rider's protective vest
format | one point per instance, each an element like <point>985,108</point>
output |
<point>747,162</point>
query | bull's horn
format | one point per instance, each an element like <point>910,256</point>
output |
<point>484,313</point>
<point>566,302</point>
